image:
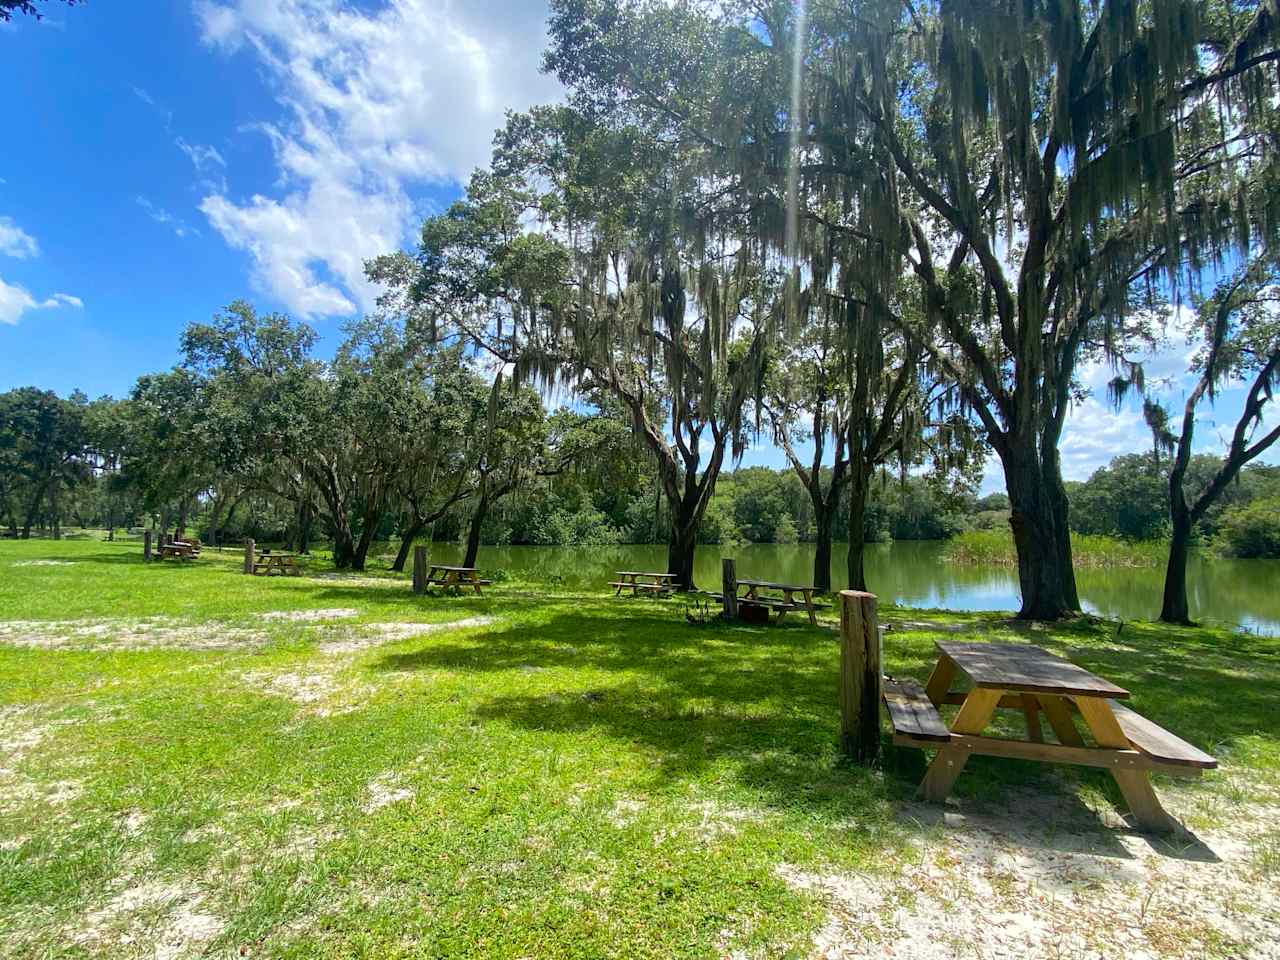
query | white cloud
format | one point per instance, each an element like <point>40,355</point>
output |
<point>15,301</point>
<point>375,102</point>
<point>203,157</point>
<point>16,242</point>
<point>161,215</point>
<point>209,165</point>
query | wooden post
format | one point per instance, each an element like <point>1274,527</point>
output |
<point>729,588</point>
<point>146,546</point>
<point>860,676</point>
<point>419,569</point>
<point>248,555</point>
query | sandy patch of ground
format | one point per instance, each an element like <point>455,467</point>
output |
<point>1043,880</point>
<point>166,633</point>
<point>716,819</point>
<point>148,633</point>
<point>300,688</point>
<point>384,791</point>
<point>625,812</point>
<point>170,916</point>
<point>331,578</point>
<point>309,616</point>
<point>375,634</point>
<point>44,563</point>
<point>21,731</point>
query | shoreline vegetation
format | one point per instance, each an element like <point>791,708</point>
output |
<point>996,547</point>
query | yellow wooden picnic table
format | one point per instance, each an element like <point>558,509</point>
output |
<point>265,564</point>
<point>655,583</point>
<point>1032,680</point>
<point>788,601</point>
<point>443,575</point>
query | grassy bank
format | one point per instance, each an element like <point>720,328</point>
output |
<point>195,762</point>
<point>996,547</point>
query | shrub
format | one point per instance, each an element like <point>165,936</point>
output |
<point>1252,531</point>
<point>996,547</point>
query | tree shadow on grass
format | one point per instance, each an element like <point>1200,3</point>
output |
<point>763,703</point>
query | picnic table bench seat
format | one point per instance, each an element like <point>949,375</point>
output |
<point>655,587</point>
<point>1149,738</point>
<point>916,721</point>
<point>770,602</point>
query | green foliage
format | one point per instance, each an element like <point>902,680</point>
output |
<point>996,547</point>
<point>1128,498</point>
<point>1252,530</point>
<point>9,7</point>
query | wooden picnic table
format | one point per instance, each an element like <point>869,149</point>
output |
<point>655,583</point>
<point>443,575</point>
<point>177,550</point>
<point>788,600</point>
<point>265,564</point>
<point>1031,680</point>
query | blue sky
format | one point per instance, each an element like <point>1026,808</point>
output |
<point>168,157</point>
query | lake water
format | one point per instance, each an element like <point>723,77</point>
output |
<point>913,574</point>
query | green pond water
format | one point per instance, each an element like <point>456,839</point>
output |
<point>913,574</point>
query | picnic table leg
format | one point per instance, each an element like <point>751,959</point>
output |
<point>940,680</point>
<point>1059,714</point>
<point>975,713</point>
<point>813,614</point>
<point>475,582</point>
<point>1031,709</point>
<point>1135,785</point>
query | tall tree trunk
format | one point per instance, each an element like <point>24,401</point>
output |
<point>307,519</point>
<point>56,510</point>
<point>368,527</point>
<point>477,521</point>
<point>1174,608</point>
<point>858,486</point>
<point>823,517</point>
<point>1041,535</point>
<point>344,544</point>
<point>406,544</point>
<point>32,508</point>
<point>680,550</point>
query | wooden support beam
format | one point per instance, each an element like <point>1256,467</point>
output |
<point>860,676</point>
<point>248,555</point>
<point>419,569</point>
<point>146,546</point>
<point>729,588</point>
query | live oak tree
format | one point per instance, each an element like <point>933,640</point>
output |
<point>1238,330</point>
<point>627,289</point>
<point>42,439</point>
<point>1036,164</point>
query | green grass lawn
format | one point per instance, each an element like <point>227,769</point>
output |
<point>552,776</point>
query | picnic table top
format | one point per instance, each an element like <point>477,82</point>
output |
<point>770,583</point>
<point>642,573</point>
<point>276,555</point>
<point>445,566</point>
<point>1022,666</point>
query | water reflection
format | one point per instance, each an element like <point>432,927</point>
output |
<point>1245,592</point>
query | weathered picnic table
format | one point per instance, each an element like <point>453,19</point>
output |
<point>655,583</point>
<point>265,564</point>
<point>1034,681</point>
<point>442,575</point>
<point>178,550</point>
<point>787,602</point>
